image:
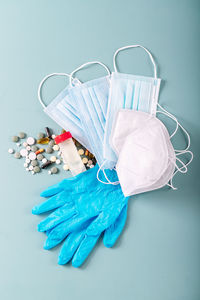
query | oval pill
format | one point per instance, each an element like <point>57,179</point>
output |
<point>49,150</point>
<point>34,148</point>
<point>34,163</point>
<point>15,138</point>
<point>36,169</point>
<point>51,143</point>
<point>40,156</point>
<point>54,170</point>
<point>22,135</point>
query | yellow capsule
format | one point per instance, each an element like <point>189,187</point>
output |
<point>43,141</point>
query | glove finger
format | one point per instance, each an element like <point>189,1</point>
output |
<point>113,232</point>
<point>52,203</point>
<point>59,215</point>
<point>103,221</point>
<point>52,190</point>
<point>59,233</point>
<point>84,250</point>
<point>77,183</point>
<point>71,244</point>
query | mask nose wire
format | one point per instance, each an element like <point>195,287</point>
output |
<point>135,46</point>
<point>87,64</point>
<point>43,81</point>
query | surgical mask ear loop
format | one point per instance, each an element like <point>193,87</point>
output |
<point>87,64</point>
<point>179,152</point>
<point>45,78</point>
<point>135,46</point>
<point>109,182</point>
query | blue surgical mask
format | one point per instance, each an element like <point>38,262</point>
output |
<point>129,92</point>
<point>66,117</point>
<point>91,99</point>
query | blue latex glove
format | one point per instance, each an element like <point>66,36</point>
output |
<point>85,208</point>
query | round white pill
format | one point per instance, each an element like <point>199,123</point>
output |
<point>25,144</point>
<point>44,160</point>
<point>25,165</point>
<point>27,169</point>
<point>30,168</point>
<point>33,172</point>
<point>58,161</point>
<point>18,144</point>
<point>30,140</point>
<point>32,156</point>
<point>53,158</point>
<point>53,136</point>
<point>23,152</point>
<point>28,148</point>
<point>11,151</point>
<point>27,160</point>
<point>66,167</point>
<point>56,147</point>
<point>49,172</point>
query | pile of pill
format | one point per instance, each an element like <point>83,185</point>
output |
<point>42,153</point>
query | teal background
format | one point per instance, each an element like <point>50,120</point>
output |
<point>157,257</point>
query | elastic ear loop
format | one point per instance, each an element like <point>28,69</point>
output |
<point>48,76</point>
<point>135,46</point>
<point>87,64</point>
<point>109,182</point>
<point>184,168</point>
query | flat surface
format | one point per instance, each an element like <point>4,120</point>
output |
<point>157,256</point>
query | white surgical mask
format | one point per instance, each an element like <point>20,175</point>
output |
<point>129,92</point>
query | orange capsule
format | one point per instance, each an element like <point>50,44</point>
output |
<point>86,152</point>
<point>39,151</point>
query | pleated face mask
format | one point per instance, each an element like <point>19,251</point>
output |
<point>91,100</point>
<point>146,157</point>
<point>127,91</point>
<point>68,117</point>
